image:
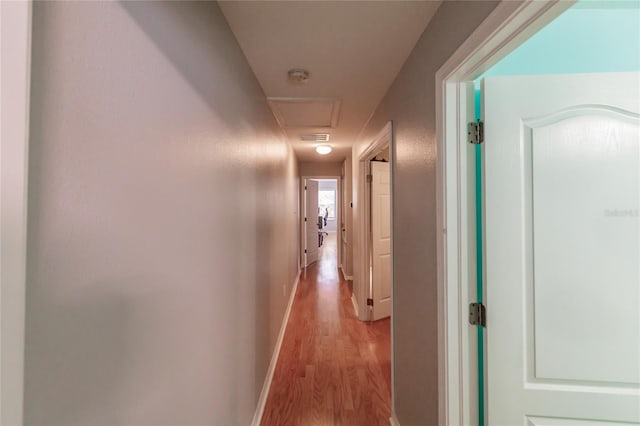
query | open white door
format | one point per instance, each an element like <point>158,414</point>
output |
<point>562,157</point>
<point>381,239</point>
<point>311,221</point>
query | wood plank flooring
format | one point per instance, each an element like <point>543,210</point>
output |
<point>333,369</point>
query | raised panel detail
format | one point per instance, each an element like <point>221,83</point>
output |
<point>385,216</point>
<point>584,232</point>
<point>385,274</point>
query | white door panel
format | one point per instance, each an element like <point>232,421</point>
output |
<point>311,224</point>
<point>584,171</point>
<point>562,158</point>
<point>381,238</point>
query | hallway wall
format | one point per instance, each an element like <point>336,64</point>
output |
<point>163,219</point>
<point>320,169</point>
<point>410,103</point>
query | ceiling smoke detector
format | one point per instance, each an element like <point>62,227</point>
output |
<point>298,75</point>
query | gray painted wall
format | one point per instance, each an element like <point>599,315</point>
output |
<point>320,169</point>
<point>410,103</point>
<point>163,219</point>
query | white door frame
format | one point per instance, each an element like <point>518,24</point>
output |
<point>338,219</point>
<point>506,28</point>
<point>382,140</point>
<point>15,39</point>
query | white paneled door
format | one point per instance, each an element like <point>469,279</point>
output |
<point>311,221</point>
<point>562,157</point>
<point>381,238</point>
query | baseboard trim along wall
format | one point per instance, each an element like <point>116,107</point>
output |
<point>355,305</point>
<point>262,401</point>
<point>344,274</point>
<point>393,420</point>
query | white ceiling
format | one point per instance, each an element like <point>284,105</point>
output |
<point>352,49</point>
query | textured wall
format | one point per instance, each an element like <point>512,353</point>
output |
<point>320,169</point>
<point>163,219</point>
<point>410,103</point>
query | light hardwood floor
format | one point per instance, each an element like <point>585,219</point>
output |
<point>333,369</point>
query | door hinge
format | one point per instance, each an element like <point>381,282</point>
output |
<point>305,219</point>
<point>305,187</point>
<point>475,132</point>
<point>369,302</point>
<point>305,250</point>
<point>477,314</point>
<point>369,178</point>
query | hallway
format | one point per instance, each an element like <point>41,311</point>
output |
<point>153,168</point>
<point>333,369</point>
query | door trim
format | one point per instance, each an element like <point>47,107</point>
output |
<point>382,140</point>
<point>507,27</point>
<point>16,26</point>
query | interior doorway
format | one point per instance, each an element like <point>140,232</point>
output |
<point>380,214</point>
<point>376,230</point>
<point>328,223</point>
<point>513,206</point>
<point>321,218</point>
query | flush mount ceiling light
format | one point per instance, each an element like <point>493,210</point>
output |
<point>323,149</point>
<point>298,75</point>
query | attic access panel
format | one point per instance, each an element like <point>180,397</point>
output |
<point>305,112</point>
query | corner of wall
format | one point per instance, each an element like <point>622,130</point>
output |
<point>15,24</point>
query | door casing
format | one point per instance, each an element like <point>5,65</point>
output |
<point>16,77</point>
<point>384,139</point>
<point>507,27</point>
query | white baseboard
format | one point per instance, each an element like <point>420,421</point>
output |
<point>346,277</point>
<point>393,420</point>
<point>262,401</point>
<point>355,305</point>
